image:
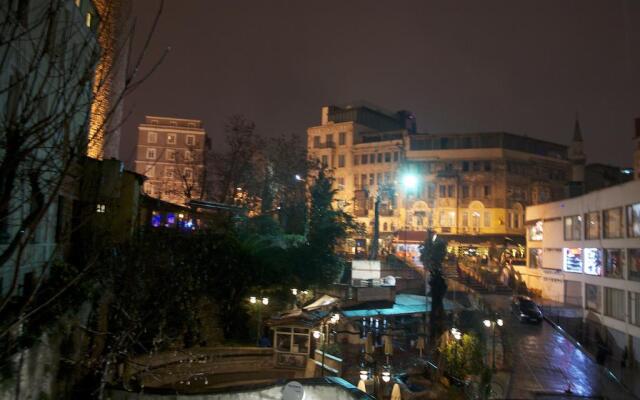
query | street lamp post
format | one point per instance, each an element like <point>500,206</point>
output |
<point>321,334</point>
<point>259,303</point>
<point>491,323</point>
<point>410,183</point>
<point>457,335</point>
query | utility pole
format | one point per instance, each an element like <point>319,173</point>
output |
<point>373,251</point>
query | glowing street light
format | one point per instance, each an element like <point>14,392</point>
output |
<point>492,323</point>
<point>259,303</point>
<point>298,178</point>
<point>410,181</point>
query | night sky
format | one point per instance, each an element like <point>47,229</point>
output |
<point>525,67</point>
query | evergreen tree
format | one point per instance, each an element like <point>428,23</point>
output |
<point>433,251</point>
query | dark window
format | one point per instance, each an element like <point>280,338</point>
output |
<point>465,191</point>
<point>396,156</point>
<point>443,191</point>
<point>487,190</point>
<point>448,167</point>
<point>341,161</point>
<point>379,157</point>
<point>316,141</point>
<point>364,159</point>
<point>387,157</point>
<point>22,12</point>
<point>330,139</point>
<point>465,166</point>
<point>325,161</point>
<point>476,165</point>
<point>487,165</point>
<point>444,143</point>
<point>356,160</point>
<point>372,158</point>
<point>342,138</point>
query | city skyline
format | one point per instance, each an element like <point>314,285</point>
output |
<point>423,61</point>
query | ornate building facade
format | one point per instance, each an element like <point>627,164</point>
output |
<point>471,187</point>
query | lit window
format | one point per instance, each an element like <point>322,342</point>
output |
<point>572,227</point>
<point>151,154</point>
<point>592,225</point>
<point>88,20</point>
<point>171,138</point>
<point>101,208</point>
<point>191,140</point>
<point>188,156</point>
<point>152,137</point>
<point>612,223</point>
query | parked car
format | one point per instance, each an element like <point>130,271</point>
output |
<point>526,309</point>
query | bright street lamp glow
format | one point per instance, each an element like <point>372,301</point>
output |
<point>410,181</point>
<point>252,300</point>
<point>500,322</point>
<point>299,178</point>
<point>316,334</point>
<point>386,376</point>
<point>294,291</point>
<point>265,300</point>
<point>486,323</point>
<point>364,375</point>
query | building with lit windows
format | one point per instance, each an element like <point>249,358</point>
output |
<point>170,153</point>
<point>471,187</point>
<point>585,251</point>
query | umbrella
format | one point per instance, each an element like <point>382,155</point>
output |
<point>368,344</point>
<point>362,386</point>
<point>388,345</point>
<point>420,344</point>
<point>396,393</point>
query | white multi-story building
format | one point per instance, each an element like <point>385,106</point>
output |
<point>585,251</point>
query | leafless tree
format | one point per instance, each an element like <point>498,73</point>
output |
<point>52,73</point>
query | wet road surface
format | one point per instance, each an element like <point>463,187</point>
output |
<point>546,364</point>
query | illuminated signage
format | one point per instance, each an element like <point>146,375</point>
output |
<point>535,231</point>
<point>593,261</point>
<point>572,260</point>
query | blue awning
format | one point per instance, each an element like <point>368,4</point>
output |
<point>404,304</point>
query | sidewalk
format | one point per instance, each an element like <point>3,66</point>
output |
<point>568,320</point>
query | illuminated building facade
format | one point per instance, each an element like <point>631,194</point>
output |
<point>109,82</point>
<point>471,187</point>
<point>170,153</point>
<point>585,251</point>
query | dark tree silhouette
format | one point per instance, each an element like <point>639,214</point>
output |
<point>433,251</point>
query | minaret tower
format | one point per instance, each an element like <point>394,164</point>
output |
<point>636,151</point>
<point>576,155</point>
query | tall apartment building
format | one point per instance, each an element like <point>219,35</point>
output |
<point>471,187</point>
<point>585,251</point>
<point>170,153</point>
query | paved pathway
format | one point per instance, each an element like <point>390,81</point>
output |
<point>546,364</point>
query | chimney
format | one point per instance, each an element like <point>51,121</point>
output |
<point>325,115</point>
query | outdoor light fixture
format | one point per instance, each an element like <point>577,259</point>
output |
<point>457,335</point>
<point>364,374</point>
<point>316,334</point>
<point>491,323</point>
<point>294,292</point>
<point>265,300</point>
<point>299,178</point>
<point>386,376</point>
<point>252,300</point>
<point>410,181</point>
